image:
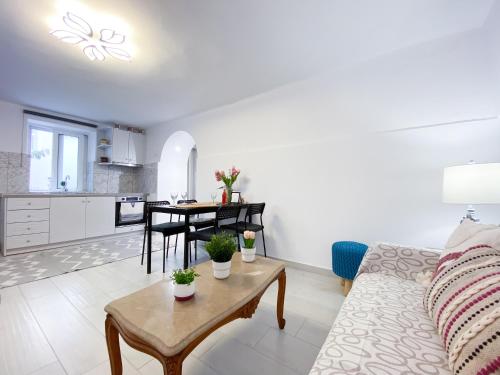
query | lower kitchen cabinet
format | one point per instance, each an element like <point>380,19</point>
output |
<point>99,216</point>
<point>34,222</point>
<point>67,218</point>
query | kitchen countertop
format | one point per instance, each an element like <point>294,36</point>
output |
<point>68,194</point>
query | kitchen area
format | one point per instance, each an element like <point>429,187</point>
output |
<point>110,203</point>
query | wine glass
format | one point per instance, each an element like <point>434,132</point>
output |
<point>214,196</point>
<point>174,196</point>
<point>184,195</point>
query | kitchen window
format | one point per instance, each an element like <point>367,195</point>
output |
<point>58,156</point>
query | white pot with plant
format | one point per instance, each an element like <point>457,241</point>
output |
<point>248,250</point>
<point>184,283</point>
<point>221,248</point>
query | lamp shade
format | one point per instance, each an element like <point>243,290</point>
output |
<point>472,184</point>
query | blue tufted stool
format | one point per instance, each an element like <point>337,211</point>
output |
<point>346,258</point>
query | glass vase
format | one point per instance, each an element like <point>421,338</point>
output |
<point>229,194</point>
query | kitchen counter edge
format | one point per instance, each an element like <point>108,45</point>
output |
<point>69,194</point>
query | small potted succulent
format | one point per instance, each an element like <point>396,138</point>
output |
<point>248,250</point>
<point>184,283</point>
<point>221,248</point>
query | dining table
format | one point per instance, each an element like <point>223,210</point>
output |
<point>186,210</point>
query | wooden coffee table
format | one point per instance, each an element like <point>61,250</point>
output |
<point>152,322</point>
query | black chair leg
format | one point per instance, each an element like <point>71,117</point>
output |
<point>190,257</point>
<point>143,246</point>
<point>168,244</point>
<point>238,236</point>
<point>264,242</point>
<point>195,250</point>
<point>176,238</point>
<point>163,254</point>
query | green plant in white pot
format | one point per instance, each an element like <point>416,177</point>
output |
<point>221,248</point>
<point>248,250</point>
<point>184,283</point>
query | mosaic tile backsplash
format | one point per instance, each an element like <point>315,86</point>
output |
<point>118,179</point>
<point>15,171</point>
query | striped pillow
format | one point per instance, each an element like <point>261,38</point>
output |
<point>463,300</point>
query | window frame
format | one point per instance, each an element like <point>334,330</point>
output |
<point>59,130</point>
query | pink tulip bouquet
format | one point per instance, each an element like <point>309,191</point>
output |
<point>249,239</point>
<point>248,250</point>
<point>228,180</point>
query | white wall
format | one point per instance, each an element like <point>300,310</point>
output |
<point>322,155</point>
<point>492,27</point>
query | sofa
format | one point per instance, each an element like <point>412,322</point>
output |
<point>421,311</point>
<point>382,327</point>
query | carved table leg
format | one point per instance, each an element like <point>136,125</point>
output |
<point>115,358</point>
<point>172,366</point>
<point>281,299</point>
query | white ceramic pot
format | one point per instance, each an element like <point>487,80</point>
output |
<point>248,255</point>
<point>221,270</point>
<point>184,292</point>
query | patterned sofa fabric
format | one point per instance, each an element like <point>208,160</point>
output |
<point>382,329</point>
<point>400,261</point>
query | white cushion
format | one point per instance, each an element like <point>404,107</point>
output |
<point>469,234</point>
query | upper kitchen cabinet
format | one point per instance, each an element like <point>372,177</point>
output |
<point>136,148</point>
<point>120,146</point>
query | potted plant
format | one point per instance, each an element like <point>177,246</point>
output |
<point>221,248</point>
<point>228,181</point>
<point>184,283</point>
<point>248,250</point>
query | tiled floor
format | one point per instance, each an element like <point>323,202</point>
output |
<point>56,326</point>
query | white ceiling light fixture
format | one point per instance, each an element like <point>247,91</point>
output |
<point>96,43</point>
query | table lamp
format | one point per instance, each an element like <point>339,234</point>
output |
<point>472,184</point>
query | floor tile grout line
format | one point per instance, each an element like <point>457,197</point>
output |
<point>93,325</point>
<point>43,332</point>
<point>111,269</point>
<point>301,326</point>
<point>264,335</point>
<point>50,364</point>
<point>275,360</point>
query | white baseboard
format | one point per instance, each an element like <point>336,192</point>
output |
<point>307,267</point>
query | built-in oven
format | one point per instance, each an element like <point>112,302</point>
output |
<point>129,210</point>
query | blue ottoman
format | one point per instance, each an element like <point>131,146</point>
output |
<point>346,258</point>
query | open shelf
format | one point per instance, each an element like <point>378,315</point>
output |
<point>104,145</point>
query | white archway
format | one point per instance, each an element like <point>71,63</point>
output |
<point>178,160</point>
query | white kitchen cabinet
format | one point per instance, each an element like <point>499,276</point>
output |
<point>53,220</point>
<point>34,227</point>
<point>26,240</point>
<point>67,218</point>
<point>26,216</point>
<point>120,146</point>
<point>28,203</point>
<point>128,147</point>
<point>136,148</point>
<point>99,216</point>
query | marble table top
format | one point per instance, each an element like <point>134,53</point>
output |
<point>153,315</point>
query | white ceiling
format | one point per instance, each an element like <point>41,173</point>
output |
<point>196,55</point>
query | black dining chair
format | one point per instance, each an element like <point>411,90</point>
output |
<point>167,229</point>
<point>196,222</point>
<point>241,226</point>
<point>223,213</point>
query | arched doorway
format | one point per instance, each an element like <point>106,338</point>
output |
<point>177,167</point>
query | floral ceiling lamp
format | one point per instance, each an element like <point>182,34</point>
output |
<point>96,42</point>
